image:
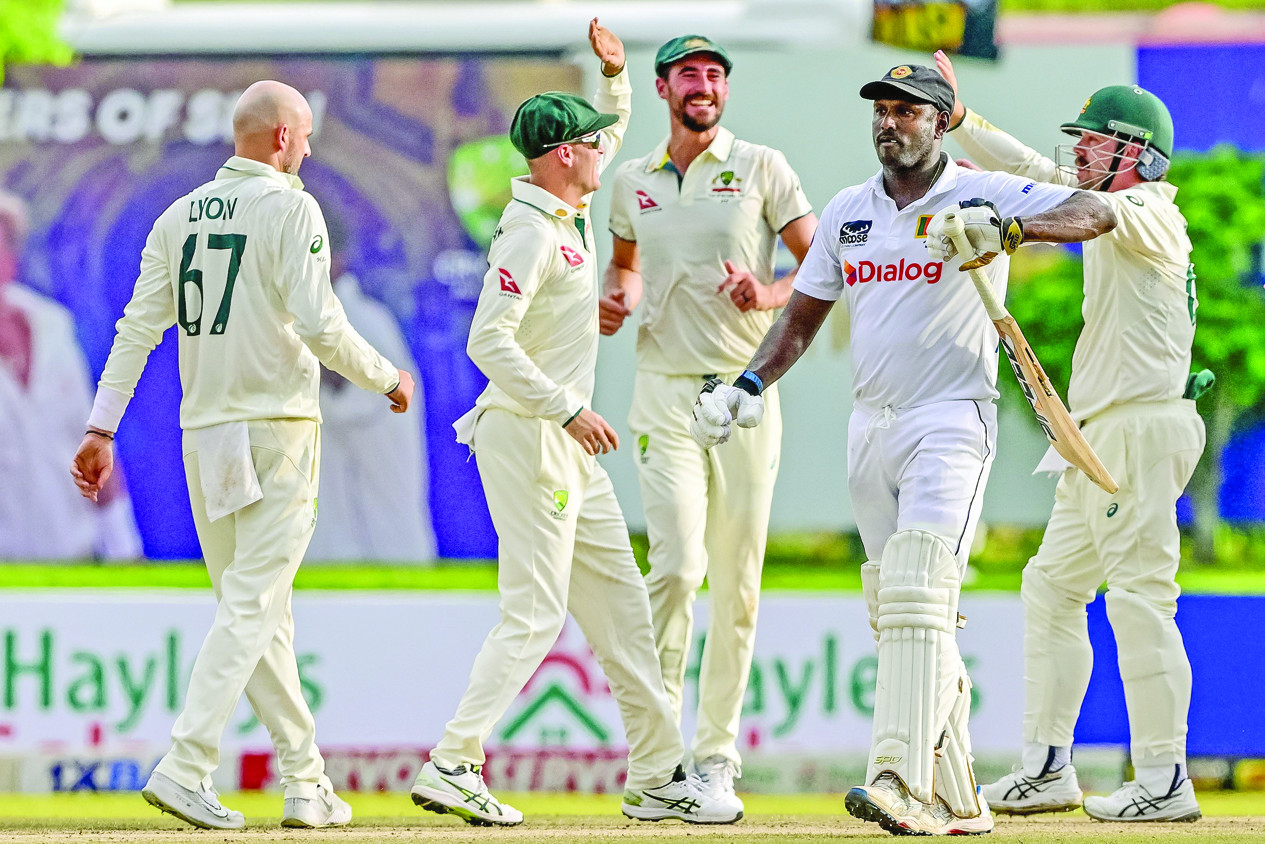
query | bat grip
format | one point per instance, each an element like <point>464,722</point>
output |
<point>955,230</point>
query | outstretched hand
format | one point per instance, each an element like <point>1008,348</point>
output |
<point>607,47</point>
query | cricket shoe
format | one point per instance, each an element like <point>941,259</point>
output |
<point>201,807</point>
<point>1132,802</point>
<point>325,809</point>
<point>718,774</point>
<point>463,793</point>
<point>942,821</point>
<point>1019,794</point>
<point>888,803</point>
<point>682,798</point>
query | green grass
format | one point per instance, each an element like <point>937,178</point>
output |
<point>1229,817</point>
<point>811,577</point>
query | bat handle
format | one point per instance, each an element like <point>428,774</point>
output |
<point>955,230</point>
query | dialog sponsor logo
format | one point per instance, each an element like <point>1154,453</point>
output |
<point>865,271</point>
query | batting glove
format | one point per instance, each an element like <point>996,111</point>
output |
<point>989,233</point>
<point>719,406</point>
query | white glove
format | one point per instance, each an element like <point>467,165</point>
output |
<point>984,228</point>
<point>718,406</point>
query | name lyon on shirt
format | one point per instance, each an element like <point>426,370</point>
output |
<point>865,271</point>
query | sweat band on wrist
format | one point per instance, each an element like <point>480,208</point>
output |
<point>749,382</point>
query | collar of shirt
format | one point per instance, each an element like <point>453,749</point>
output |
<point>237,167</point>
<point>719,149</point>
<point>542,200</point>
<point>948,181</point>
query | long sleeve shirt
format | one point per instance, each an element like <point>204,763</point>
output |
<point>242,265</point>
<point>535,328</point>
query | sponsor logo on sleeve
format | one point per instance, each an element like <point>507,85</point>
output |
<point>318,243</point>
<point>573,257</point>
<point>920,228</point>
<point>855,233</point>
<point>508,285</point>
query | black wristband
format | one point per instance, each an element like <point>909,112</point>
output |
<point>749,382</point>
<point>393,389</point>
<point>99,434</point>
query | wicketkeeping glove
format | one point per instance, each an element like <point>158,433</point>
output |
<point>989,233</point>
<point>718,406</point>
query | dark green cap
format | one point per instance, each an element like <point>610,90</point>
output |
<point>689,45</point>
<point>1129,111</point>
<point>549,120</point>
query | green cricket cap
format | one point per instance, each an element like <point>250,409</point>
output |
<point>554,118</point>
<point>1129,111</point>
<point>689,45</point>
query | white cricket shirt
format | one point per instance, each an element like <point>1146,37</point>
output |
<point>535,329</point>
<point>242,266</point>
<point>919,330</point>
<point>730,204</point>
<point>1140,296</point>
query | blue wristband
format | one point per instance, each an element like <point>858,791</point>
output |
<point>752,379</point>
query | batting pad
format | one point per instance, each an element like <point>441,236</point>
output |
<point>954,779</point>
<point>919,668</point>
<point>869,588</point>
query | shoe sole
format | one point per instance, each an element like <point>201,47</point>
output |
<point>158,803</point>
<point>628,812</point>
<point>1188,818</point>
<point>1002,809</point>
<point>432,805</point>
<point>298,823</point>
<point>860,806</point>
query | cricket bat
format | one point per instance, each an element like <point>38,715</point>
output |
<point>1053,417</point>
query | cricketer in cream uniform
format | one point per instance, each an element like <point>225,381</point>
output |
<point>241,265</point>
<point>1129,375</point>
<point>562,541</point>
<point>685,214</point>
<point>922,434</point>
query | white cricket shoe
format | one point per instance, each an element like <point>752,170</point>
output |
<point>1133,802</point>
<point>463,793</point>
<point>888,803</point>
<point>718,774</point>
<point>682,798</point>
<point>1018,794</point>
<point>951,824</point>
<point>325,809</point>
<point>201,808</point>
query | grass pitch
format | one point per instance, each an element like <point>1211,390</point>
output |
<point>118,818</point>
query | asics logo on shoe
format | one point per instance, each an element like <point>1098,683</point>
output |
<point>1142,804</point>
<point>483,800</point>
<point>688,805</point>
<point>1022,788</point>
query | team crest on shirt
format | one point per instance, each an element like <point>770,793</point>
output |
<point>508,285</point>
<point>574,258</point>
<point>646,203</point>
<point>726,184</point>
<point>920,228</point>
<point>855,233</point>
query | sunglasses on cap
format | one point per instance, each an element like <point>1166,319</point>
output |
<point>593,140</point>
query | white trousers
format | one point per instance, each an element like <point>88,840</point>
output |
<point>562,545</point>
<point>1131,541</point>
<point>707,513</point>
<point>921,468</point>
<point>252,556</point>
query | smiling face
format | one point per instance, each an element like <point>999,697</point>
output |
<point>906,134</point>
<point>696,89</point>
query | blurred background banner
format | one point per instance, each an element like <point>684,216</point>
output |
<point>411,167</point>
<point>964,27</point>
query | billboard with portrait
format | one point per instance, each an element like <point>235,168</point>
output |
<point>410,165</point>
